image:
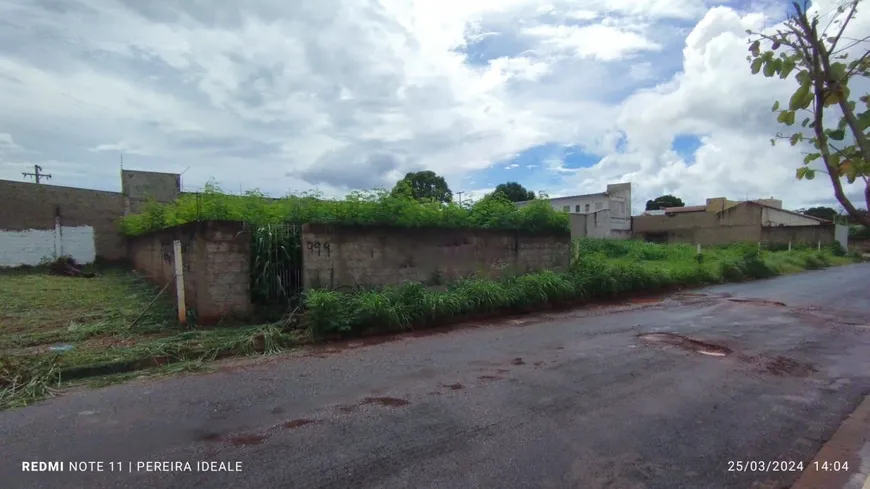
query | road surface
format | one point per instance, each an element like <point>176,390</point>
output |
<point>653,394</point>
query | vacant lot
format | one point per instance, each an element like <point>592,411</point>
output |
<point>55,329</point>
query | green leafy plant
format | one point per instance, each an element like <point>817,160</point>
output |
<point>824,63</point>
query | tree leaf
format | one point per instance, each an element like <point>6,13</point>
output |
<point>810,174</point>
<point>805,122</point>
<point>787,67</point>
<point>811,157</point>
<point>775,106</point>
<point>801,172</point>
<point>769,69</point>
<point>838,72</point>
<point>797,98</point>
<point>795,138</point>
<point>837,135</point>
<point>789,118</point>
<point>755,47</point>
<point>756,65</point>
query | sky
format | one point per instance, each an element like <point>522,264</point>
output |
<point>335,95</point>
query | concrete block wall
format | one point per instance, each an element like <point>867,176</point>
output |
<point>33,246</point>
<point>335,255</point>
<point>799,234</point>
<point>216,258</point>
<point>27,206</point>
<point>137,187</point>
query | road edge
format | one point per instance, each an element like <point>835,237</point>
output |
<point>850,443</point>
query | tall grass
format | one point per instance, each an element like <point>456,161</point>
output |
<point>600,269</point>
<point>360,207</point>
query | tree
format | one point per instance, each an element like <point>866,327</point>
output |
<point>822,212</point>
<point>424,185</point>
<point>822,69</point>
<point>515,192</point>
<point>663,202</point>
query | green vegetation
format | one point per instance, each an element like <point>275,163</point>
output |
<point>93,316</point>
<point>91,320</point>
<point>664,202</point>
<point>600,269</point>
<point>835,130</point>
<point>364,207</point>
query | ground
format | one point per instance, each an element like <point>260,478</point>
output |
<point>652,394</point>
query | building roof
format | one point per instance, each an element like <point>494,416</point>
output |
<point>567,197</point>
<point>752,202</point>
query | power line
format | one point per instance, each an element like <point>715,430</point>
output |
<point>37,174</point>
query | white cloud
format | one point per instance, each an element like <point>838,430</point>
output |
<point>348,94</point>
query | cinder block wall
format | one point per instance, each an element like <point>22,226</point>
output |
<point>799,234</point>
<point>25,206</point>
<point>216,257</point>
<point>336,255</point>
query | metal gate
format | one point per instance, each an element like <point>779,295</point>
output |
<point>276,263</point>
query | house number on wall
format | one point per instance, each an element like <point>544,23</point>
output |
<point>316,247</point>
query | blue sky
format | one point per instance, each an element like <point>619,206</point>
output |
<point>337,95</point>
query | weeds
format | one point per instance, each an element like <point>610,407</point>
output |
<point>600,269</point>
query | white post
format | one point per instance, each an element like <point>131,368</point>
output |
<point>789,246</point>
<point>820,245</point>
<point>179,283</point>
<point>698,247</point>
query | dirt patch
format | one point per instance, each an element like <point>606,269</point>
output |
<point>246,440</point>
<point>645,300</point>
<point>489,377</point>
<point>788,367</point>
<point>296,423</point>
<point>517,361</point>
<point>386,401</point>
<point>686,343</point>
<point>760,302</point>
<point>347,408</point>
<point>538,364</point>
<point>210,437</point>
<point>455,386</point>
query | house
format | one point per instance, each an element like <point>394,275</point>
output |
<point>604,215</point>
<point>722,221</point>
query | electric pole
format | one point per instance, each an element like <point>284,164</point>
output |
<point>460,197</point>
<point>37,174</point>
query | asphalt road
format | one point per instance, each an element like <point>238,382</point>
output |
<point>573,399</point>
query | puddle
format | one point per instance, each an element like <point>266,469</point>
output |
<point>686,343</point>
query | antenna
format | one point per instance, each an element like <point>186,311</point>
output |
<point>37,174</point>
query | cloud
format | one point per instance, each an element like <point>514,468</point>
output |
<point>346,94</point>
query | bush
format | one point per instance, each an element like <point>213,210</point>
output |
<point>367,207</point>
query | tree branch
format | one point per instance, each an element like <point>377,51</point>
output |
<point>844,24</point>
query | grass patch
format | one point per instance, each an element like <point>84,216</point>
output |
<point>600,269</point>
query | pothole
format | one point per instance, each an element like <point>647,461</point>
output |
<point>686,343</point>
<point>761,302</point>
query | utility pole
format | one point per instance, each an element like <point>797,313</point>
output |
<point>37,175</point>
<point>460,197</point>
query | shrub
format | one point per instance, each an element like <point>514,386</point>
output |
<point>362,207</point>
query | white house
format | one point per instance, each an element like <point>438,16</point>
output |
<point>610,210</point>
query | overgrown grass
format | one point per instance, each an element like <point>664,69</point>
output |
<point>361,207</point>
<point>600,269</point>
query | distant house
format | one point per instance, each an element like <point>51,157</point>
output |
<point>605,214</point>
<point>723,221</point>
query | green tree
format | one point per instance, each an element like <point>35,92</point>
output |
<point>835,123</point>
<point>424,185</point>
<point>515,192</point>
<point>821,212</point>
<point>663,202</point>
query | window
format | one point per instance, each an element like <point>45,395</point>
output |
<point>599,206</point>
<point>587,208</point>
<point>577,208</point>
<point>566,208</point>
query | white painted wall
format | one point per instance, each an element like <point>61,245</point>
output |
<point>841,234</point>
<point>32,246</point>
<point>776,217</point>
